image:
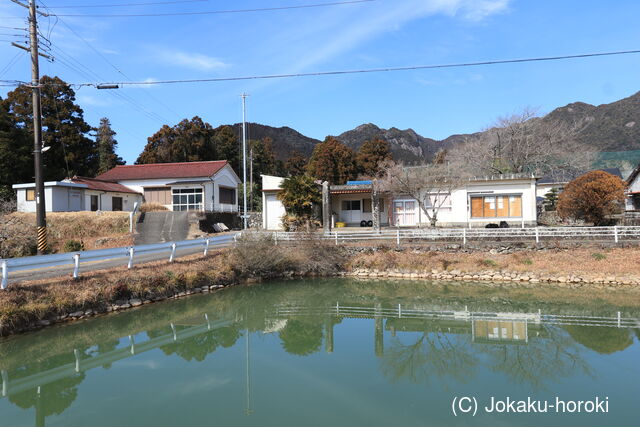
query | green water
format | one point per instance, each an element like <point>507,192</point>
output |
<point>325,353</point>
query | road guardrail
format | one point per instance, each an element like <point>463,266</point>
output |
<point>76,259</point>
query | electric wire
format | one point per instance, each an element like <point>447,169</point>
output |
<point>217,12</point>
<point>111,64</point>
<point>153,3</point>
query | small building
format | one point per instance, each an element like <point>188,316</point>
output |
<point>78,194</point>
<point>633,190</point>
<point>190,186</point>
<point>481,201</point>
<point>560,179</point>
<point>272,208</point>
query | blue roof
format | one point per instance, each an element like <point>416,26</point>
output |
<point>358,182</point>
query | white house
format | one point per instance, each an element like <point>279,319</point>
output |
<point>78,194</point>
<point>508,198</point>
<point>633,190</point>
<point>189,186</point>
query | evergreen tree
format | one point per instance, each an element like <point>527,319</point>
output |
<point>188,141</point>
<point>371,154</point>
<point>332,161</point>
<point>107,157</point>
<point>16,161</point>
<point>228,146</point>
<point>296,164</point>
<point>65,132</point>
<point>550,199</point>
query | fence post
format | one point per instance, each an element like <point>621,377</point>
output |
<point>336,237</point>
<point>398,236</point>
<point>130,222</point>
<point>206,248</point>
<point>464,237</point>
<point>76,266</point>
<point>618,319</point>
<point>173,252</point>
<point>615,233</point>
<point>5,275</point>
<point>275,238</point>
<point>131,250</point>
<point>537,235</point>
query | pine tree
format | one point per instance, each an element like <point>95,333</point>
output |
<point>107,157</point>
<point>65,132</point>
<point>16,161</point>
<point>371,154</point>
<point>296,164</point>
<point>332,161</point>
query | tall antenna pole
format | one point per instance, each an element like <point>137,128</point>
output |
<point>41,220</point>
<point>244,160</point>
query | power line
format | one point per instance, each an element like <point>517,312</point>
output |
<point>217,12</point>
<point>127,4</point>
<point>104,58</point>
<point>373,70</point>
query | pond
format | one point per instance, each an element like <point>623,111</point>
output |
<point>322,352</point>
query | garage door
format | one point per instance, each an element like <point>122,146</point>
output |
<point>275,211</point>
<point>160,195</point>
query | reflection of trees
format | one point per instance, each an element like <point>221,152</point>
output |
<point>604,340</point>
<point>56,396</point>
<point>199,346</point>
<point>545,358</point>
<point>433,354</point>
<point>301,337</point>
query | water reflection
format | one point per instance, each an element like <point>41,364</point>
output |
<point>413,342</point>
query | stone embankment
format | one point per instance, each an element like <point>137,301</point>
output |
<point>563,281</point>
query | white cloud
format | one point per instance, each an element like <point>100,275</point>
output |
<point>91,101</point>
<point>196,61</point>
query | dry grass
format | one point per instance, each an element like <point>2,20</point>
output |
<point>152,207</point>
<point>619,262</point>
<point>23,304</point>
<point>95,230</point>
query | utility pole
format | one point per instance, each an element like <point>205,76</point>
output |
<point>41,219</point>
<point>251,178</point>
<point>244,160</point>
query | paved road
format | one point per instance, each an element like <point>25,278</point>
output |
<point>163,226</point>
<point>67,270</point>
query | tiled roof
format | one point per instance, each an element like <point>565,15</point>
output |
<point>163,170</point>
<point>100,185</point>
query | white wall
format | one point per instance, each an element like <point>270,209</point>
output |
<point>270,187</point>
<point>225,178</point>
<point>105,201</point>
<point>459,213</point>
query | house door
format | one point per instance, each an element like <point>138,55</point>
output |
<point>404,212</point>
<point>275,211</point>
<point>351,211</point>
<point>75,201</point>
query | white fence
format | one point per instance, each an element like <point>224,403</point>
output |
<point>128,254</point>
<point>535,234</point>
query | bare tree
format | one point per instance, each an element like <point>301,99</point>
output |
<point>523,143</point>
<point>430,184</point>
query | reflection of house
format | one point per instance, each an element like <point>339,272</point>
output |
<point>500,330</point>
<point>510,198</point>
<point>192,186</point>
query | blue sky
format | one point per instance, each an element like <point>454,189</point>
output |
<point>435,103</point>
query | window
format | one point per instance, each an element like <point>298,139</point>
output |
<point>187,199</point>
<point>496,206</point>
<point>227,195</point>
<point>351,205</point>
<point>31,195</point>
<point>116,203</point>
<point>94,202</point>
<point>366,205</point>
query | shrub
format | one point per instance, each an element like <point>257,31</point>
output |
<point>297,224</point>
<point>527,261</point>
<point>487,263</point>
<point>17,237</point>
<point>152,207</point>
<point>592,197</point>
<point>598,256</point>
<point>73,246</point>
<point>257,255</point>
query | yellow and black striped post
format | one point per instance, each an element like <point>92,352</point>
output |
<point>42,239</point>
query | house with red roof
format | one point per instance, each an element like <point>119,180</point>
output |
<point>187,186</point>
